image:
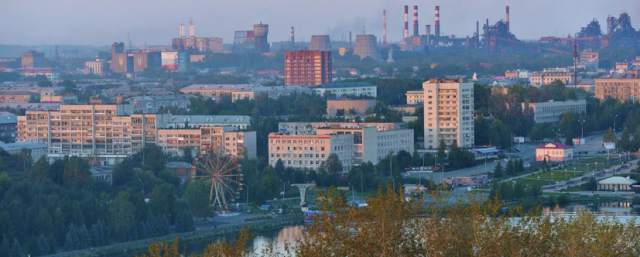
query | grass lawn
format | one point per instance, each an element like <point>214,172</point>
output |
<point>595,159</point>
<point>548,177</point>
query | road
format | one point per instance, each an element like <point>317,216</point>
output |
<point>527,154</point>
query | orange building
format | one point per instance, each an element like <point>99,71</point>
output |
<point>554,152</point>
<point>308,68</point>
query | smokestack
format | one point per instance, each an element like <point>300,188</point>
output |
<point>181,30</point>
<point>428,33</point>
<point>486,36</point>
<point>406,22</point>
<point>437,31</point>
<point>508,27</point>
<point>350,39</point>
<point>192,29</point>
<point>415,20</point>
<point>292,40</point>
<point>477,34</point>
<point>384,28</point>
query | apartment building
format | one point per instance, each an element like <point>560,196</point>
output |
<point>550,112</point>
<point>241,91</point>
<point>197,121</point>
<point>237,143</point>
<point>349,106</point>
<point>309,128</point>
<point>618,86</point>
<point>310,151</point>
<point>15,97</point>
<point>152,104</point>
<point>32,59</point>
<point>415,97</point>
<point>448,112</point>
<point>107,132</point>
<point>546,78</point>
<point>371,145</point>
<point>348,89</point>
<point>8,123</point>
<point>308,68</point>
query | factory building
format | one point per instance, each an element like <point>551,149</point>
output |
<point>252,41</point>
<point>192,42</point>
<point>307,68</point>
<point>550,112</point>
<point>130,62</point>
<point>32,59</point>
<point>448,113</point>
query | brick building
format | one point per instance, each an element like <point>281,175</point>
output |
<point>308,68</point>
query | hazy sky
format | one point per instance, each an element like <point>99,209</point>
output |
<point>101,22</point>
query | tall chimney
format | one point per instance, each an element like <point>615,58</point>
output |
<point>181,30</point>
<point>508,27</point>
<point>406,22</point>
<point>428,33</point>
<point>477,40</point>
<point>350,39</point>
<point>192,29</point>
<point>486,36</point>
<point>291,45</point>
<point>415,20</point>
<point>384,28</point>
<point>437,31</point>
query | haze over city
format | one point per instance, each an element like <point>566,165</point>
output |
<point>155,22</point>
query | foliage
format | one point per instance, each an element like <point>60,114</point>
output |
<point>197,197</point>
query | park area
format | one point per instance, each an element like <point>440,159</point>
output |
<point>548,177</point>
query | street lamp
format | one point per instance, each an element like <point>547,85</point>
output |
<point>353,192</point>
<point>247,195</point>
<point>582,121</point>
<point>284,189</point>
<point>142,185</point>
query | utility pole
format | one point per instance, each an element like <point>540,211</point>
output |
<point>391,170</point>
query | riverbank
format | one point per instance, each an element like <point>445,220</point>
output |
<point>140,246</point>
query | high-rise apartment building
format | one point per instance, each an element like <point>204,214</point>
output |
<point>32,59</point>
<point>308,68</point>
<point>619,86</point>
<point>448,112</point>
<point>310,151</point>
<point>113,132</point>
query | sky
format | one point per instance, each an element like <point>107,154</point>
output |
<point>156,22</point>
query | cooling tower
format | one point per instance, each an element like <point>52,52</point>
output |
<point>366,47</point>
<point>260,33</point>
<point>320,43</point>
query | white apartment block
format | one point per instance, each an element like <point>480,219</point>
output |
<point>95,67</point>
<point>107,132</point>
<point>550,112</point>
<point>448,112</point>
<point>348,88</point>
<point>371,145</point>
<point>310,151</point>
<point>415,97</point>
<point>309,128</point>
<point>197,121</point>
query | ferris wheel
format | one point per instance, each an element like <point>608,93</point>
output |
<point>220,169</point>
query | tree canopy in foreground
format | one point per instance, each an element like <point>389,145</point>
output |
<point>428,226</point>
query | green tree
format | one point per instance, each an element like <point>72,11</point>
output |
<point>121,216</point>
<point>197,196</point>
<point>76,174</point>
<point>187,155</point>
<point>333,166</point>
<point>440,155</point>
<point>162,200</point>
<point>609,136</point>
<point>45,83</point>
<point>40,171</point>
<point>510,169</point>
<point>625,140</point>
<point>497,171</point>
<point>123,173</point>
<point>518,191</point>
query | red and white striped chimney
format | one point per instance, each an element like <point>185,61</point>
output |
<point>406,22</point>
<point>437,28</point>
<point>508,27</point>
<point>384,28</point>
<point>415,20</point>
<point>292,43</point>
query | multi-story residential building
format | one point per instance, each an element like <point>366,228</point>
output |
<point>152,104</point>
<point>415,97</point>
<point>32,59</point>
<point>448,112</point>
<point>8,123</point>
<point>310,128</point>
<point>106,132</point>
<point>308,68</point>
<point>372,141</point>
<point>546,78</point>
<point>234,142</point>
<point>241,91</point>
<point>618,86</point>
<point>550,112</point>
<point>310,151</point>
<point>196,121</point>
<point>349,106</point>
<point>96,67</point>
<point>348,89</point>
<point>371,145</point>
<point>15,97</point>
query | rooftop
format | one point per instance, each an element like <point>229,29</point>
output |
<point>20,145</point>
<point>618,180</point>
<point>631,75</point>
<point>345,85</point>
<point>32,106</point>
<point>8,119</point>
<point>153,98</point>
<point>178,165</point>
<point>554,145</point>
<point>211,118</point>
